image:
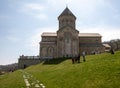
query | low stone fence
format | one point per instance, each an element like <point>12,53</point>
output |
<point>29,57</point>
<point>25,61</point>
<point>35,57</point>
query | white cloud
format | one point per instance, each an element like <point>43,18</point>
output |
<point>12,38</point>
<point>35,10</point>
<point>41,16</point>
<point>34,6</point>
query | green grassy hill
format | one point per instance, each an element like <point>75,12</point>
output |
<point>99,71</point>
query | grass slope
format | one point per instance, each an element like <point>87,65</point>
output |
<point>12,80</point>
<point>99,71</point>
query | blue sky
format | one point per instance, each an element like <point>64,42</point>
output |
<point>23,21</point>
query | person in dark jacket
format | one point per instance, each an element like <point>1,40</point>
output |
<point>78,58</point>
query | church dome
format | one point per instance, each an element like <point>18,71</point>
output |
<point>67,12</point>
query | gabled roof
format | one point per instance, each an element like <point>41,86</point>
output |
<point>89,35</point>
<point>54,34</point>
<point>67,12</point>
<point>49,34</point>
<point>107,45</point>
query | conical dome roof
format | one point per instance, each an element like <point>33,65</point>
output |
<point>67,12</point>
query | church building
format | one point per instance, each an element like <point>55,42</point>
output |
<point>67,41</point>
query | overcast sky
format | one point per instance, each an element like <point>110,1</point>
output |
<point>23,21</point>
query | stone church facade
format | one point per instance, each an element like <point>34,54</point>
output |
<point>68,41</point>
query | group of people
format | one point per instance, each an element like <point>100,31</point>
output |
<point>77,58</point>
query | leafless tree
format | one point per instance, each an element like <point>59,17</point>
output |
<point>114,43</point>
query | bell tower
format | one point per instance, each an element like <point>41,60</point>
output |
<point>67,18</point>
<point>67,35</point>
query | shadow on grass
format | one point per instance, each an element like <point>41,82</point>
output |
<point>54,61</point>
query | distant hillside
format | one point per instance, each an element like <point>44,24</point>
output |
<point>9,67</point>
<point>99,71</point>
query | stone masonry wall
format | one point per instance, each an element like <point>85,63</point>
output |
<point>23,63</point>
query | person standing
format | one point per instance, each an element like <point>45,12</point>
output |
<point>78,58</point>
<point>83,54</point>
<point>112,51</point>
<point>73,60</point>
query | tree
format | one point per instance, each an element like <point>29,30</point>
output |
<point>115,44</point>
